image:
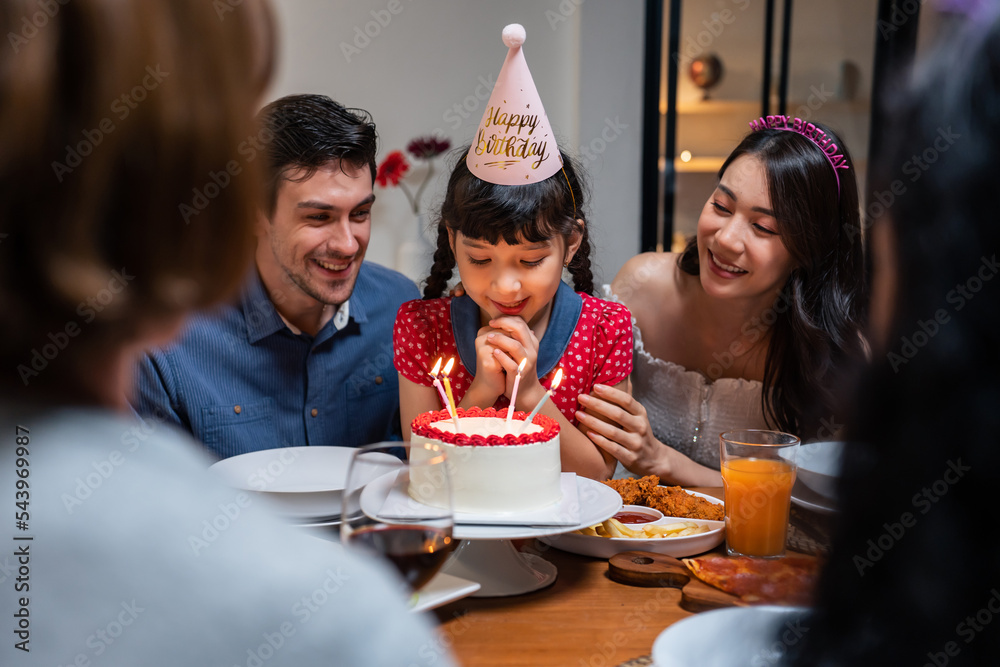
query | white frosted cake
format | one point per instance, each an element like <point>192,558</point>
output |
<point>491,469</point>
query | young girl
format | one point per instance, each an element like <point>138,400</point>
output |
<point>511,244</point>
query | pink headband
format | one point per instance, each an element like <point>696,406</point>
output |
<point>810,132</point>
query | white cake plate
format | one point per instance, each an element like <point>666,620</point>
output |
<point>486,554</point>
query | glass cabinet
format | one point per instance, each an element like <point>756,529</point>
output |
<point>724,63</point>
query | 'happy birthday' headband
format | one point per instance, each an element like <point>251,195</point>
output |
<point>810,132</point>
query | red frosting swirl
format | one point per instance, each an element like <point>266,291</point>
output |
<point>424,425</point>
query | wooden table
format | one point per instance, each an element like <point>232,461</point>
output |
<point>583,620</point>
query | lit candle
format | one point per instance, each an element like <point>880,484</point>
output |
<point>513,392</point>
<point>447,390</point>
<point>437,384</point>
<point>556,379</point>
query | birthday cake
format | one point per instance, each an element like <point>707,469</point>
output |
<point>492,468</point>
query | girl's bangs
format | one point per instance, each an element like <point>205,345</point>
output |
<point>514,213</point>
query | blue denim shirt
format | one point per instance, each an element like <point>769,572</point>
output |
<point>240,380</point>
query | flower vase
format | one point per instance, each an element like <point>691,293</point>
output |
<point>415,256</point>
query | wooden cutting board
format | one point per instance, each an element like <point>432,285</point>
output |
<point>644,568</point>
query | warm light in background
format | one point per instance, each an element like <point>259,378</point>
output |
<point>685,156</point>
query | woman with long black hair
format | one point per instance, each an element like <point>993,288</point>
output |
<point>753,325</point>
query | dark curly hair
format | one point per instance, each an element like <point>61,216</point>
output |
<point>816,335</point>
<point>528,213</point>
<point>311,131</point>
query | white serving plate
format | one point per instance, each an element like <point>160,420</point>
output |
<point>678,547</point>
<point>756,635</point>
<point>441,590</point>
<point>597,502</point>
<point>808,499</point>
<point>819,467</point>
<point>303,483</point>
<point>398,505</point>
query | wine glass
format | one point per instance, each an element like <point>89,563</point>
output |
<point>397,503</point>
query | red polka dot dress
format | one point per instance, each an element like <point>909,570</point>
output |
<point>589,338</point>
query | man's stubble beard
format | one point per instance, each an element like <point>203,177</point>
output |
<point>303,284</point>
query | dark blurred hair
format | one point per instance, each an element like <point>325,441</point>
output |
<point>818,338</point>
<point>925,437</point>
<point>312,131</point>
<point>113,118</point>
<point>528,213</point>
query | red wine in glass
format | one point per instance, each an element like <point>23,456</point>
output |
<point>418,552</point>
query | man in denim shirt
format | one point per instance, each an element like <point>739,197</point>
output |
<point>304,356</point>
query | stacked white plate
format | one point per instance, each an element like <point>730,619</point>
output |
<point>304,484</point>
<point>816,479</point>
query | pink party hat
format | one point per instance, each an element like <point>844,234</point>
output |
<point>514,144</point>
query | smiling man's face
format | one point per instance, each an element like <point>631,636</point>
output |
<point>311,249</point>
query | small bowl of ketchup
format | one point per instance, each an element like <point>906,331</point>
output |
<point>637,514</point>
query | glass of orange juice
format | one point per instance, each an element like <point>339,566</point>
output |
<point>758,471</point>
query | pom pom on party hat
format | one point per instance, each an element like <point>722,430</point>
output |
<point>514,143</point>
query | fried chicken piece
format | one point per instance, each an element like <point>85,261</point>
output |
<point>671,500</point>
<point>634,491</point>
<point>675,501</point>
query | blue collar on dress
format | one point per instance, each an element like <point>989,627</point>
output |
<point>566,308</point>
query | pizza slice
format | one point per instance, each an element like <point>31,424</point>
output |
<point>789,580</point>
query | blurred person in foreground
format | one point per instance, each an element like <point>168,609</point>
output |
<point>912,577</point>
<point>304,355</point>
<point>124,551</point>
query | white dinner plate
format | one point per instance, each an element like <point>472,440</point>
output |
<point>304,484</point>
<point>442,589</point>
<point>757,635</point>
<point>597,502</point>
<point>819,467</point>
<point>805,497</point>
<point>399,505</point>
<point>678,547</point>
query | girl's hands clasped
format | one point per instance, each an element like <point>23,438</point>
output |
<point>490,377</point>
<point>500,347</point>
<point>513,341</point>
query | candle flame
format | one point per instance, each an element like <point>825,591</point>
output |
<point>437,367</point>
<point>447,367</point>
<point>520,366</point>
<point>556,380</point>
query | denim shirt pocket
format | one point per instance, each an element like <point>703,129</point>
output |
<point>239,428</point>
<point>373,402</point>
